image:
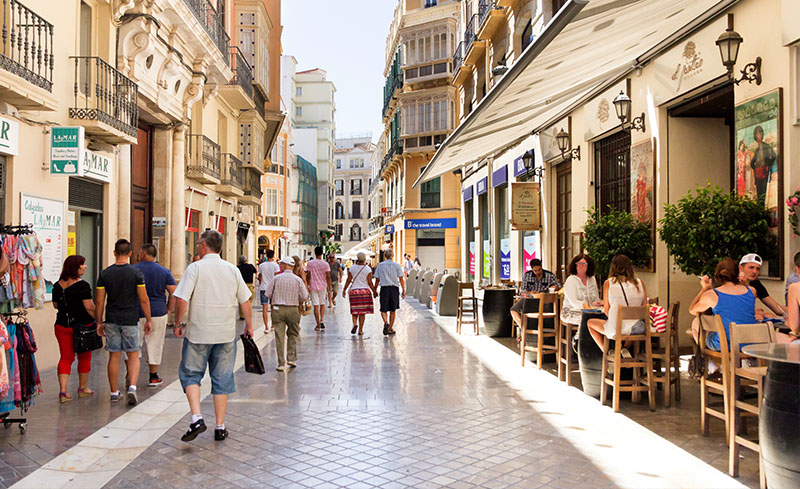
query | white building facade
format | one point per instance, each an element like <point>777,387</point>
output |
<point>352,177</point>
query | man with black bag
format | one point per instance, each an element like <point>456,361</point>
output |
<point>211,290</point>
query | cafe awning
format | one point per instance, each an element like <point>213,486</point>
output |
<point>363,247</point>
<point>584,49</point>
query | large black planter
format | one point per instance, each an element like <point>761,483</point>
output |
<point>590,356</point>
<point>779,425</point>
<point>497,312</point>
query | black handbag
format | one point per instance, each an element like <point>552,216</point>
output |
<point>253,363</point>
<point>84,336</point>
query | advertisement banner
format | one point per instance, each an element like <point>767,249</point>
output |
<point>47,217</point>
<point>505,259</point>
<point>66,146</point>
<point>530,249</point>
<point>487,259</point>
<point>472,258</point>
<point>525,207</point>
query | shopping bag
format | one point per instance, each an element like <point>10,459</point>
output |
<point>252,357</point>
<point>85,338</point>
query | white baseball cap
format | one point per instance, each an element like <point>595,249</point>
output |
<point>288,260</point>
<point>751,258</point>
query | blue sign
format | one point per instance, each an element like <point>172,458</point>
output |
<point>481,185</point>
<point>388,229</point>
<point>447,223</point>
<point>468,193</point>
<point>500,177</point>
<point>505,259</point>
<point>519,166</point>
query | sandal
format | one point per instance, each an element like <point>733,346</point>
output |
<point>85,392</point>
<point>355,328</point>
<point>63,397</point>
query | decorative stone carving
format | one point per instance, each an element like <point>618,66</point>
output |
<point>194,91</point>
<point>209,92</point>
<point>120,8</point>
<point>136,43</point>
<point>170,71</point>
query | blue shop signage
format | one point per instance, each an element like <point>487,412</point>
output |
<point>388,229</point>
<point>500,177</point>
<point>447,223</point>
<point>468,193</point>
<point>480,187</point>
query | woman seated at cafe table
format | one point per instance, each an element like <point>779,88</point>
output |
<point>793,308</point>
<point>621,289</point>
<point>733,301</point>
<point>580,289</point>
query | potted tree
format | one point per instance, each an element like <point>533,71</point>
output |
<point>605,236</point>
<point>710,224</point>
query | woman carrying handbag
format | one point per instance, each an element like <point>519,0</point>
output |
<point>72,297</point>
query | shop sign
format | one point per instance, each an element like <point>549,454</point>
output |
<point>505,259</point>
<point>159,222</point>
<point>468,193</point>
<point>487,259</point>
<point>66,144</point>
<point>96,166</point>
<point>531,249</point>
<point>519,165</point>
<point>9,137</point>
<point>71,243</point>
<point>691,63</point>
<point>446,223</point>
<point>500,177</point>
<point>599,115</point>
<point>480,187</point>
<point>388,229</point>
<point>525,207</point>
<point>47,218</point>
<point>472,258</point>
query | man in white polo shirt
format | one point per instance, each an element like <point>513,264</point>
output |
<point>211,289</point>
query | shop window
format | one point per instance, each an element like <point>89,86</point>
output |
<point>613,178</point>
<point>483,208</point>
<point>502,264</point>
<point>192,233</point>
<point>470,249</point>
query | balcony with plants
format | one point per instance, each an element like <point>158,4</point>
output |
<point>105,101</point>
<point>26,60</point>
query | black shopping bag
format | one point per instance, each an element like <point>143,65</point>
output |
<point>252,357</point>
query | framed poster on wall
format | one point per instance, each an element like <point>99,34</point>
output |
<point>47,218</point>
<point>642,190</point>
<point>525,207</point>
<point>758,171</point>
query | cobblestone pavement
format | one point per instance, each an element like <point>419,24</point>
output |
<point>413,410</point>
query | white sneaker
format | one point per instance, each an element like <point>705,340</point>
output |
<point>292,364</point>
<point>280,368</point>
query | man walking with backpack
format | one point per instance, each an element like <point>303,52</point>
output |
<point>124,288</point>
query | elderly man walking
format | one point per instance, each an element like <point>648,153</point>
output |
<point>286,292</point>
<point>211,289</point>
<point>390,277</point>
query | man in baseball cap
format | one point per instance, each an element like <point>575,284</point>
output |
<point>749,269</point>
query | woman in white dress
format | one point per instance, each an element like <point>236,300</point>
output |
<point>621,289</point>
<point>580,289</point>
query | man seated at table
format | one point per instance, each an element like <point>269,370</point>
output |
<point>535,281</point>
<point>749,269</point>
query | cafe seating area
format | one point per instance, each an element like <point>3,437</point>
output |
<point>712,417</point>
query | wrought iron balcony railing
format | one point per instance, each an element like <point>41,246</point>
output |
<point>395,149</point>
<point>212,22</point>
<point>242,74</point>
<point>252,183</point>
<point>232,171</point>
<point>484,7</point>
<point>458,56</point>
<point>393,83</point>
<point>471,31</point>
<point>104,94</point>
<point>27,45</point>
<point>202,156</point>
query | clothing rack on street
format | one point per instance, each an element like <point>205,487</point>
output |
<point>19,319</point>
<point>16,230</point>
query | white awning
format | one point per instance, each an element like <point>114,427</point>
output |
<point>586,48</point>
<point>362,247</point>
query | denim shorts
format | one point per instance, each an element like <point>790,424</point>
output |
<point>264,299</point>
<point>123,337</point>
<point>220,359</point>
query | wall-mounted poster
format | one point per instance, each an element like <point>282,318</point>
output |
<point>758,158</point>
<point>487,259</point>
<point>472,258</point>
<point>505,259</point>
<point>47,217</point>
<point>643,200</point>
<point>525,207</point>
<point>530,249</point>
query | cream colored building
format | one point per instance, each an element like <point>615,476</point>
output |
<point>352,177</point>
<point>667,61</point>
<point>419,111</point>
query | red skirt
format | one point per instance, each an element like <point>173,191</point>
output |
<point>361,302</point>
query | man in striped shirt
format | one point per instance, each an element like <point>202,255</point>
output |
<point>286,293</point>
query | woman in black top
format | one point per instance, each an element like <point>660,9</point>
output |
<point>72,298</point>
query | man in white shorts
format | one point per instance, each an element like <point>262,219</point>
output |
<point>318,275</point>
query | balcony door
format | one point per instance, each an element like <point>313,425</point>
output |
<point>141,189</point>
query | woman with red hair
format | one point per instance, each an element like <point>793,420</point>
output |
<point>72,297</point>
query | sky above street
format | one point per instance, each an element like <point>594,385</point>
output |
<point>347,38</point>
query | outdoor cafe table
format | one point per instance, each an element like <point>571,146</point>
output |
<point>779,421</point>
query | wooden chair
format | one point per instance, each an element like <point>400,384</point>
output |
<point>542,330</point>
<point>567,360</point>
<point>666,359</point>
<point>637,361</point>
<point>464,300</point>
<point>719,385</point>
<point>741,377</point>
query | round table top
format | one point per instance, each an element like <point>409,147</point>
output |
<point>789,353</point>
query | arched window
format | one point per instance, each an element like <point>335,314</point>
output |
<point>339,210</point>
<point>355,233</point>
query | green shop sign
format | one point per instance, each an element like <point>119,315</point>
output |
<point>66,145</point>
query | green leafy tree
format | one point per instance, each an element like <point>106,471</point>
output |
<point>333,248</point>
<point>711,224</point>
<point>616,232</point>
